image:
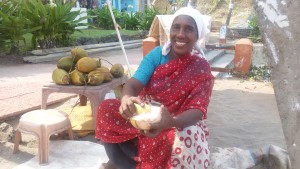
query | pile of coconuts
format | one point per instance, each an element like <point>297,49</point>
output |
<point>80,69</point>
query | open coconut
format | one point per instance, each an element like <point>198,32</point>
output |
<point>145,116</point>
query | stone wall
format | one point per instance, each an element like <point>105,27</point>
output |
<point>259,57</point>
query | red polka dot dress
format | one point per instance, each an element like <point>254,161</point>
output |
<point>181,84</point>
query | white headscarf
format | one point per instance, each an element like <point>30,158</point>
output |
<point>201,28</point>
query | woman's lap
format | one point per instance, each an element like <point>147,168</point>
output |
<point>111,127</point>
<point>188,147</point>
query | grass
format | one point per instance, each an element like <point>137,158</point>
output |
<point>101,33</point>
<point>86,33</point>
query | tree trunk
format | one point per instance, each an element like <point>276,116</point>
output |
<point>231,6</point>
<point>192,3</point>
<point>279,24</point>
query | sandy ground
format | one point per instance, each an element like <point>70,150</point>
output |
<point>242,114</point>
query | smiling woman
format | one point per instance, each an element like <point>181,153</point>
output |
<point>180,80</point>
<point>183,36</point>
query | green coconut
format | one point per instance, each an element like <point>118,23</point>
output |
<point>60,76</point>
<point>67,63</point>
<point>86,64</point>
<point>95,77</point>
<point>117,70</point>
<point>78,78</point>
<point>106,72</point>
<point>78,53</point>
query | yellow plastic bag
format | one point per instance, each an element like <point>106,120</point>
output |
<point>81,118</point>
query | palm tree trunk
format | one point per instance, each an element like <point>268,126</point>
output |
<point>192,3</point>
<point>231,5</point>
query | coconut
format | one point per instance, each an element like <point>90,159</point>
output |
<point>102,69</point>
<point>145,116</point>
<point>95,78</point>
<point>67,63</point>
<point>78,53</point>
<point>78,78</point>
<point>107,75</point>
<point>60,76</point>
<point>117,70</point>
<point>86,64</point>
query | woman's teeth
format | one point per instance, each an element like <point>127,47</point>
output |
<point>180,43</point>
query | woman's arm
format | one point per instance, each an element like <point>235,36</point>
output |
<point>130,92</point>
<point>135,85</point>
<point>185,119</point>
<point>132,88</point>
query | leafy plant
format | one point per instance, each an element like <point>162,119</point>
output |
<point>130,21</point>
<point>102,17</point>
<point>255,32</point>
<point>259,73</point>
<point>56,20</point>
<point>13,25</point>
<point>146,18</point>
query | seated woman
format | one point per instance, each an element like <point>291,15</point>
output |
<point>179,79</point>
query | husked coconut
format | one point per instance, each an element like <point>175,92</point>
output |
<point>145,116</point>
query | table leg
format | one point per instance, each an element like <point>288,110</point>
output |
<point>83,100</point>
<point>95,99</point>
<point>45,94</point>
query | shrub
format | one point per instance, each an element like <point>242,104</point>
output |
<point>146,18</point>
<point>12,25</point>
<point>255,32</point>
<point>102,18</point>
<point>56,21</point>
<point>259,73</point>
<point>128,21</point>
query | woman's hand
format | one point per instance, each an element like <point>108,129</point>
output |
<point>127,108</point>
<point>165,122</point>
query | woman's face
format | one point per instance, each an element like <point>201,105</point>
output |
<point>183,35</point>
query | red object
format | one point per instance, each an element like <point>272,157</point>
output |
<point>243,55</point>
<point>149,44</point>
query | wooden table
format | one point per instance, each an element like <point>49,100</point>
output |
<point>95,94</point>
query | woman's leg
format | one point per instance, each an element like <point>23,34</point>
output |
<point>111,127</point>
<point>113,130</point>
<point>122,154</point>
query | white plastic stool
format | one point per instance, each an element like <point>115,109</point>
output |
<point>42,123</point>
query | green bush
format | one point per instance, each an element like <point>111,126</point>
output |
<point>255,32</point>
<point>102,18</point>
<point>259,73</point>
<point>12,25</point>
<point>128,21</point>
<point>56,20</point>
<point>146,18</point>
<point>51,25</point>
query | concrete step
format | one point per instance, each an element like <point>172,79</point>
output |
<point>41,52</point>
<point>212,55</point>
<point>55,56</point>
<point>224,61</point>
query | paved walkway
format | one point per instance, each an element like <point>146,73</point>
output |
<point>20,85</point>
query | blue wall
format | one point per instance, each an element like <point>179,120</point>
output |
<point>121,5</point>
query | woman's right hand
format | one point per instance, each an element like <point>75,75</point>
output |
<point>127,108</point>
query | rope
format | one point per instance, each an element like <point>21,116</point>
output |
<point>119,36</point>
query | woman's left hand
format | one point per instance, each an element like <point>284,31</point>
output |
<point>165,122</point>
